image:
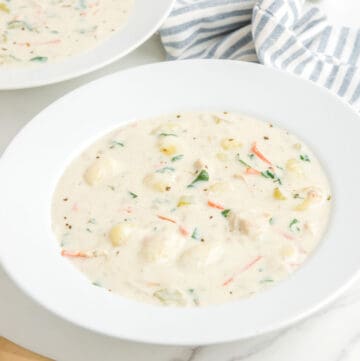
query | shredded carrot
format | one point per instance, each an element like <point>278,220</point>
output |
<point>50,42</point>
<point>229,280</point>
<point>152,284</point>
<point>252,171</point>
<point>128,210</point>
<point>166,219</point>
<point>243,269</point>
<point>66,253</point>
<point>183,231</point>
<point>75,207</point>
<point>214,205</point>
<point>258,258</point>
<point>257,152</point>
<point>301,250</point>
<point>286,235</point>
<point>294,264</point>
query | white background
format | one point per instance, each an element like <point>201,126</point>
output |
<point>331,335</point>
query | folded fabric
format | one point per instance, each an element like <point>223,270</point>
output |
<point>276,33</point>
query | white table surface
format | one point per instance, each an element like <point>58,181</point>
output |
<point>331,335</point>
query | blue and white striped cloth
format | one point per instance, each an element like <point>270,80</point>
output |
<point>276,33</point>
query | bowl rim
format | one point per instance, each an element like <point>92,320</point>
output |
<point>198,72</point>
<point>144,20</point>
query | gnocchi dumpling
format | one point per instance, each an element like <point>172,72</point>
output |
<point>120,233</point>
<point>100,170</point>
<point>294,166</point>
<point>201,255</point>
<point>169,145</point>
<point>163,247</point>
<point>230,144</point>
<point>159,182</point>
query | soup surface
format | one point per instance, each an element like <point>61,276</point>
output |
<point>42,31</point>
<point>191,209</point>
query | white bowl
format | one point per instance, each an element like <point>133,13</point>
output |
<point>145,18</point>
<point>38,155</point>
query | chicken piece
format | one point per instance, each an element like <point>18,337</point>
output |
<point>252,224</point>
<point>314,196</point>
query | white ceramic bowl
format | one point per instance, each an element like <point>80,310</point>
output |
<point>38,155</point>
<point>145,18</point>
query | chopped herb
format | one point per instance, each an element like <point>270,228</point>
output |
<point>297,196</point>
<point>112,188</point>
<point>194,296</point>
<point>195,234</point>
<point>82,4</point>
<point>165,169</point>
<point>115,143</point>
<point>268,174</point>
<point>329,197</point>
<point>251,155</point>
<point>133,195</point>
<point>278,167</point>
<point>167,135</point>
<point>271,175</point>
<point>266,137</point>
<point>293,224</point>
<point>304,157</point>
<point>18,24</point>
<point>177,157</point>
<point>92,221</point>
<point>97,284</point>
<point>203,176</point>
<point>89,230</point>
<point>40,59</point>
<point>266,280</point>
<point>271,220</point>
<point>242,162</point>
<point>225,212</point>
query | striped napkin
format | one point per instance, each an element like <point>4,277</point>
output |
<point>276,33</point>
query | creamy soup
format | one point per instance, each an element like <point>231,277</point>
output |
<point>42,31</point>
<point>191,209</point>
